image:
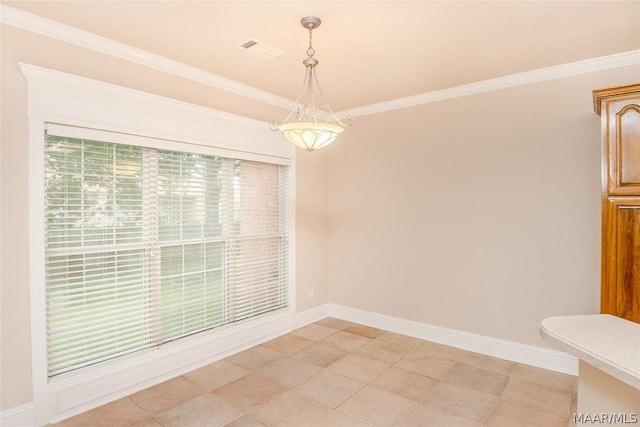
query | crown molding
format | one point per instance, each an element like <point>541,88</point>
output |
<point>56,30</point>
<point>549,73</point>
<point>46,27</point>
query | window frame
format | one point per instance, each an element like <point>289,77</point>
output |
<point>57,97</point>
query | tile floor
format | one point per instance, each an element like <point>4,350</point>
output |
<point>334,373</point>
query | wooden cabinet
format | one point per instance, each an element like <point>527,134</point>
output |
<point>620,112</point>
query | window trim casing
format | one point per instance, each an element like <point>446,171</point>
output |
<point>59,97</point>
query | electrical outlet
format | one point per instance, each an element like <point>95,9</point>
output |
<point>311,294</point>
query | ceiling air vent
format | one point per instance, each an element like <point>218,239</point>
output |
<point>260,49</point>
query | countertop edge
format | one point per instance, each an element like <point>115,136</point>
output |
<point>610,367</point>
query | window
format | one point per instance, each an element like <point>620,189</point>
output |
<point>100,232</point>
<point>145,245</point>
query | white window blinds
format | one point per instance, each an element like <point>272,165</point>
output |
<point>145,246</point>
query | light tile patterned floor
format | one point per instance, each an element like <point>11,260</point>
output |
<point>337,374</point>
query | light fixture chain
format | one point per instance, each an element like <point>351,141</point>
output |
<point>311,51</point>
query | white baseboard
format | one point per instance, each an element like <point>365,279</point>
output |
<point>522,353</point>
<point>307,317</point>
<point>20,416</point>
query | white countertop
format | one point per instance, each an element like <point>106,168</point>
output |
<point>607,342</point>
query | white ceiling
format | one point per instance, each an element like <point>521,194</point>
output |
<point>369,52</point>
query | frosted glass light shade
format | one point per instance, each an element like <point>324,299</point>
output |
<point>310,136</point>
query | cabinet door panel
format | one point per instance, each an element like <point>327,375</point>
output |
<point>624,257</point>
<point>624,147</point>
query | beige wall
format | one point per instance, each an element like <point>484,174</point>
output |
<point>311,229</point>
<point>19,46</point>
<point>15,363</point>
<point>480,214</point>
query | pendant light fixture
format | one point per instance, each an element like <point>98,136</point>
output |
<point>307,124</point>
